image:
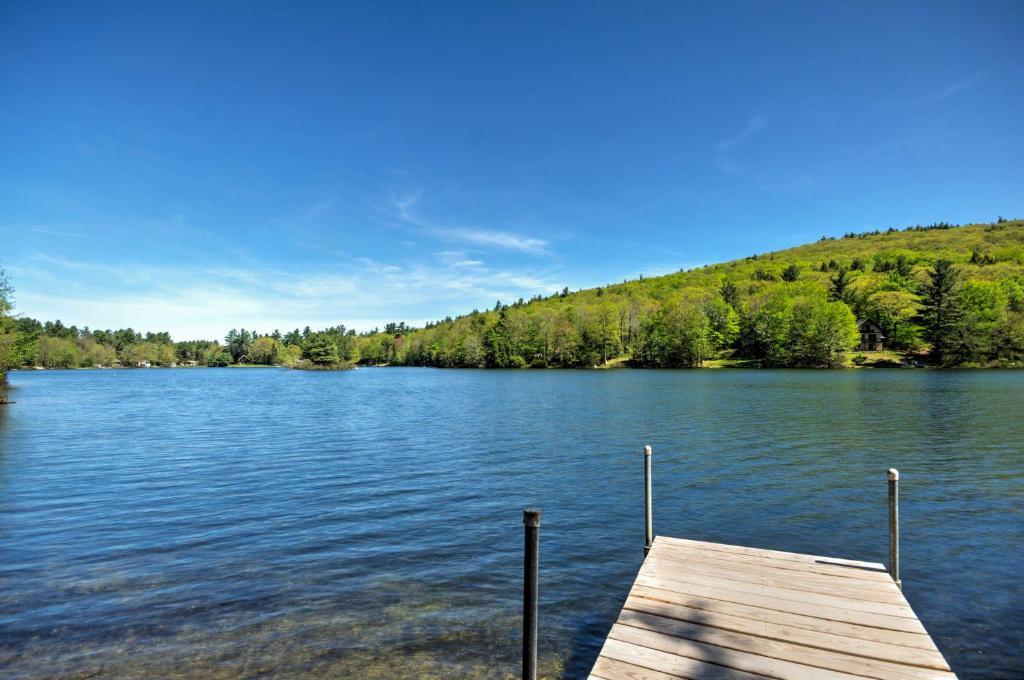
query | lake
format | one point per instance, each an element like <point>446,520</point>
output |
<point>368,523</point>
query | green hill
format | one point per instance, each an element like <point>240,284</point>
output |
<point>794,307</point>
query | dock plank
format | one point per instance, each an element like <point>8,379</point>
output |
<point>700,610</point>
<point>673,572</point>
<point>776,554</point>
<point>871,649</point>
<point>762,644</point>
<point>896,637</point>
<point>669,665</point>
<point>607,668</point>
<point>819,565</point>
<point>810,583</point>
<point>727,658</point>
<point>811,571</point>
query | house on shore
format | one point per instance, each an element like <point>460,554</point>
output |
<point>871,337</point>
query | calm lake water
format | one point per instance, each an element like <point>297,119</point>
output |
<point>248,523</point>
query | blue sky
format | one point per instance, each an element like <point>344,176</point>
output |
<point>201,167</point>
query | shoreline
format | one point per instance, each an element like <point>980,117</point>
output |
<point>712,365</point>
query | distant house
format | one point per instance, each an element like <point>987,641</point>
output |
<point>144,364</point>
<point>871,337</point>
<point>191,362</point>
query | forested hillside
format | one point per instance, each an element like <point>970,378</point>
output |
<point>952,296</point>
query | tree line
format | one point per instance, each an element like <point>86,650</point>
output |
<point>953,296</point>
<point>27,342</point>
<point>786,323</point>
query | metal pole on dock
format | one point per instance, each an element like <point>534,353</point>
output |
<point>531,565</point>
<point>894,525</point>
<point>648,507</point>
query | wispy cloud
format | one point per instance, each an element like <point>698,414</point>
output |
<point>458,258</point>
<point>204,302</point>
<point>404,208</point>
<point>899,103</point>
<point>57,232</point>
<point>723,149</point>
<point>955,87</point>
<point>497,239</point>
<point>318,209</point>
<point>753,126</point>
<point>319,248</point>
<point>404,204</point>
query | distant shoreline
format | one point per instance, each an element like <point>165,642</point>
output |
<point>713,365</point>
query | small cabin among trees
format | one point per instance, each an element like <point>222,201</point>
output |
<point>871,337</point>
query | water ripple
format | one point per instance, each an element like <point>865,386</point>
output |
<point>231,523</point>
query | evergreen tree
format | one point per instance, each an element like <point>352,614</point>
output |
<point>730,293</point>
<point>496,349</point>
<point>941,311</point>
<point>320,349</point>
<point>840,286</point>
<point>903,266</point>
<point>236,343</point>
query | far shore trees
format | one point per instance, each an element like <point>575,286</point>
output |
<point>895,312</point>
<point>320,350</point>
<point>957,292</point>
<point>266,350</point>
<point>797,308</point>
<point>821,333</point>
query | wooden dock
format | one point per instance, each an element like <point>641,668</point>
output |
<point>710,610</point>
